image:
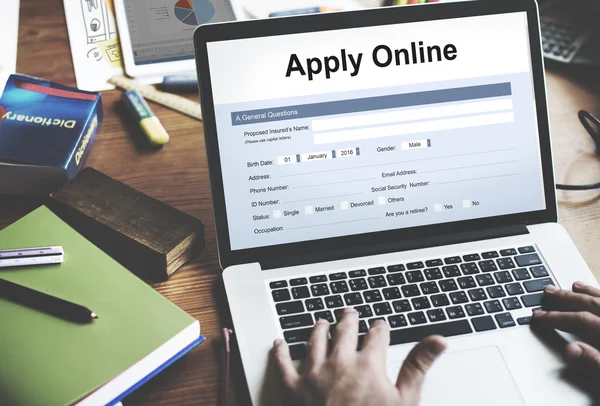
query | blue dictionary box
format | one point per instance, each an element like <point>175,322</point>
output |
<point>46,132</point>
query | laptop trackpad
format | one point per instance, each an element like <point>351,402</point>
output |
<point>470,378</point>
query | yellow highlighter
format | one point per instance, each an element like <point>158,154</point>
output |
<point>148,122</point>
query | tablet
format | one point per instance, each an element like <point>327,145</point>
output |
<point>157,35</point>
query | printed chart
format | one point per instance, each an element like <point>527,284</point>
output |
<point>194,12</point>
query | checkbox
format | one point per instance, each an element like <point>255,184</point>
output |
<point>466,204</point>
<point>308,209</point>
<point>437,207</point>
<point>381,200</point>
<point>276,214</point>
<point>344,205</point>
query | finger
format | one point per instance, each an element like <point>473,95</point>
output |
<point>283,360</point>
<point>415,366</point>
<point>583,324</point>
<point>581,287</point>
<point>564,300</point>
<point>317,345</point>
<point>377,341</point>
<point>583,356</point>
<point>345,338</point>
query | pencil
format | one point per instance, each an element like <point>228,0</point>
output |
<point>45,303</point>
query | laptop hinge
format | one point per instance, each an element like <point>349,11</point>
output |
<point>395,246</point>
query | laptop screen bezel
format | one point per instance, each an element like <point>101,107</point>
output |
<point>356,19</point>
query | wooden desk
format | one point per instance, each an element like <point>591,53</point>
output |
<point>177,175</point>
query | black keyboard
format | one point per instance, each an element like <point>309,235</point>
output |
<point>460,294</point>
<point>561,40</point>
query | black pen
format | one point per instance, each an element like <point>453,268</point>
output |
<point>45,303</point>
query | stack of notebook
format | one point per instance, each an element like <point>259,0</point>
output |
<point>45,360</point>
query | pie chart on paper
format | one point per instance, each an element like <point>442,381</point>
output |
<point>194,12</point>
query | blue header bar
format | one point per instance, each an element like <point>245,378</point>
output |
<point>370,104</point>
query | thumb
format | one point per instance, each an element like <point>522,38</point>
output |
<point>283,360</point>
<point>416,365</point>
<point>583,355</point>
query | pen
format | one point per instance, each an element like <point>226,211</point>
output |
<point>45,303</point>
<point>226,334</point>
<point>179,84</point>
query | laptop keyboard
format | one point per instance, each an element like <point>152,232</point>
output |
<point>462,294</point>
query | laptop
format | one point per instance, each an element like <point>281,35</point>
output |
<point>398,161</point>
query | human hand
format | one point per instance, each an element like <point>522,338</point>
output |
<point>349,377</point>
<point>578,313</point>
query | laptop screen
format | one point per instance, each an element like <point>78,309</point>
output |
<point>345,132</point>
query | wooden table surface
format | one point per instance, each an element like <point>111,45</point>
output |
<point>177,175</point>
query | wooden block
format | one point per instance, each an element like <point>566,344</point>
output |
<point>150,238</point>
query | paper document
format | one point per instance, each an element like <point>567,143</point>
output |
<point>9,34</point>
<point>94,42</point>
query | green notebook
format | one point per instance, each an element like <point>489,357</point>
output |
<point>45,360</point>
